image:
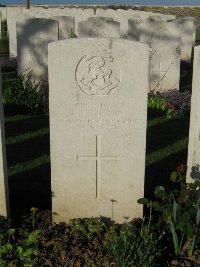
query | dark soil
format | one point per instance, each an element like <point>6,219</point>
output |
<point>62,245</point>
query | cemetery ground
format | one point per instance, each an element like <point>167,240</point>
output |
<point>31,239</point>
<point>167,236</point>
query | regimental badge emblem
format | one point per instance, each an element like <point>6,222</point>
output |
<point>98,75</point>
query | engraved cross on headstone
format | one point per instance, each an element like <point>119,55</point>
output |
<point>162,74</point>
<point>98,158</point>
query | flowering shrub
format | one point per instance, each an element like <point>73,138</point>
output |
<point>172,103</point>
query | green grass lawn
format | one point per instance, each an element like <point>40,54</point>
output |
<point>28,157</point>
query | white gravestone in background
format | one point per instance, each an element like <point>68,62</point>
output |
<point>13,17</point>
<point>66,26</point>
<point>164,40</point>
<point>33,37</point>
<point>134,27</point>
<point>4,194</point>
<point>193,161</point>
<point>123,16</point>
<point>97,127</point>
<point>80,14</point>
<point>187,38</point>
<point>99,27</point>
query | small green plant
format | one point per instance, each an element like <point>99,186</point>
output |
<point>179,210</point>
<point>89,227</point>
<point>6,246</point>
<point>134,247</point>
<point>28,251</point>
<point>72,33</point>
<point>18,247</point>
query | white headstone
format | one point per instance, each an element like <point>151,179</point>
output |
<point>164,40</point>
<point>33,37</point>
<point>0,23</point>
<point>4,194</point>
<point>134,27</point>
<point>97,127</point>
<point>123,16</point>
<point>194,20</point>
<point>193,161</point>
<point>99,27</point>
<point>66,26</point>
<point>13,17</point>
<point>187,38</point>
<point>80,14</point>
<point>3,11</point>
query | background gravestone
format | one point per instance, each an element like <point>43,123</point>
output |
<point>193,162</point>
<point>80,14</point>
<point>33,37</point>
<point>134,27</point>
<point>123,16</point>
<point>13,17</point>
<point>66,26</point>
<point>164,40</point>
<point>4,195</point>
<point>187,38</point>
<point>99,27</point>
<point>97,127</point>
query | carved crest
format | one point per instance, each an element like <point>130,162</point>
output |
<point>98,75</point>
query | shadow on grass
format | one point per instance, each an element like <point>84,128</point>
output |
<point>163,134</point>
<point>159,173</point>
<point>27,150</point>
<point>30,189</point>
<point>26,125</point>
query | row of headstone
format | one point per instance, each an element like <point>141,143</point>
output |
<point>98,128</point>
<point>166,39</point>
<point>170,42</point>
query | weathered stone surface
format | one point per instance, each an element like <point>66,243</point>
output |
<point>121,16</point>
<point>164,40</point>
<point>157,17</point>
<point>193,161</point>
<point>14,16</point>
<point>99,27</point>
<point>3,12</point>
<point>33,37</point>
<point>97,127</point>
<point>134,25</point>
<point>66,26</point>
<point>4,195</point>
<point>187,38</point>
<point>80,14</point>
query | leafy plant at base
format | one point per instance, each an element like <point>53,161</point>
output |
<point>18,247</point>
<point>33,98</point>
<point>134,247</point>
<point>28,251</point>
<point>89,227</point>
<point>179,210</point>
<point>6,246</point>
